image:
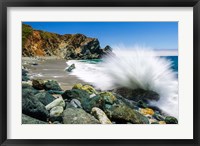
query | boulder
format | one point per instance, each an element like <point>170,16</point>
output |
<point>171,120</point>
<point>24,72</point>
<point>158,117</point>
<point>78,116</point>
<point>76,94</point>
<point>56,114</point>
<point>76,103</point>
<point>33,107</point>
<point>25,75</point>
<point>130,103</point>
<point>25,78</point>
<point>122,114</point>
<point>38,84</point>
<point>71,67</point>
<point>89,103</point>
<point>52,85</point>
<point>86,88</point>
<point>57,102</point>
<point>138,94</point>
<point>100,115</point>
<point>108,97</point>
<point>27,90</point>
<point>45,98</point>
<point>29,120</point>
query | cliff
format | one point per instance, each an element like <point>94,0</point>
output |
<point>68,46</point>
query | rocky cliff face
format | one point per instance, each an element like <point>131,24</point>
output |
<point>68,46</point>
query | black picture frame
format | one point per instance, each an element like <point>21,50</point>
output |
<point>4,4</point>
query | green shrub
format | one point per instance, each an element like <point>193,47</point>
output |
<point>26,31</point>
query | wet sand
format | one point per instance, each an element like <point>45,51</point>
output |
<point>50,68</point>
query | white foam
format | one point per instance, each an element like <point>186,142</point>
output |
<point>141,68</point>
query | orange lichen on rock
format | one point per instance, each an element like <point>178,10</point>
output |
<point>147,111</point>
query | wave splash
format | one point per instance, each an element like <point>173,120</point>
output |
<point>140,68</point>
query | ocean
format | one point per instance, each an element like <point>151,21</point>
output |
<point>173,59</point>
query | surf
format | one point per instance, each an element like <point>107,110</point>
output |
<point>139,68</point>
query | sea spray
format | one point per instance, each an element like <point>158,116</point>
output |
<point>139,68</point>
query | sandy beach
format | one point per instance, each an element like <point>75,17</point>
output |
<point>50,68</point>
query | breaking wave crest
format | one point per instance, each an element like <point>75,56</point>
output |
<point>140,68</point>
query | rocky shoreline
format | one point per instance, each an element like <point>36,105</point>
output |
<point>44,101</point>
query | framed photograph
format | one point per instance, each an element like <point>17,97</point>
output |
<point>99,72</point>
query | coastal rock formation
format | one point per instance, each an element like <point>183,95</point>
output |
<point>68,46</point>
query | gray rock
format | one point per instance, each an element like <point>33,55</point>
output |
<point>100,115</point>
<point>57,102</point>
<point>45,98</point>
<point>29,120</point>
<point>76,103</point>
<point>83,96</point>
<point>122,114</point>
<point>56,111</point>
<point>52,85</point>
<point>33,107</point>
<point>75,94</point>
<point>78,116</point>
<point>71,67</point>
<point>56,114</point>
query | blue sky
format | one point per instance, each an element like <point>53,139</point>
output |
<point>157,35</point>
